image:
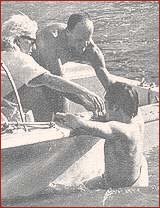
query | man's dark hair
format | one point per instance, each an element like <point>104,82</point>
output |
<point>75,18</point>
<point>124,96</point>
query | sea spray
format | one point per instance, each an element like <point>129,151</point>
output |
<point>130,196</point>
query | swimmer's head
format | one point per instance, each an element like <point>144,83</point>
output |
<point>18,26</point>
<point>121,96</point>
<point>79,31</point>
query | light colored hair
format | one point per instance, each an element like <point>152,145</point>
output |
<point>16,26</point>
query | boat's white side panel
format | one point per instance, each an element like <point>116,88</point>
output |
<point>88,166</point>
<point>26,169</point>
<point>20,138</point>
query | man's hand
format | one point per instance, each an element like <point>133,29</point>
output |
<point>93,103</point>
<point>69,120</point>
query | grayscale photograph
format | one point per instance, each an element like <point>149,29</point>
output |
<point>79,104</point>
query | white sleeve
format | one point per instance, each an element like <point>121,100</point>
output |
<point>23,69</point>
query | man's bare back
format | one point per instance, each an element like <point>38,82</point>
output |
<point>70,42</point>
<point>123,131</point>
<point>123,154</point>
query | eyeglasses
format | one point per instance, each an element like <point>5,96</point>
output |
<point>33,41</point>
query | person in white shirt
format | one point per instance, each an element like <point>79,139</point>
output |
<point>19,35</point>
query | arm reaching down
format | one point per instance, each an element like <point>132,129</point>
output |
<point>89,100</point>
<point>96,59</point>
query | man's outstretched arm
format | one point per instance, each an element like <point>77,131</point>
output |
<point>90,100</point>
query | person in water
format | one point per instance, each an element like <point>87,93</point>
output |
<point>68,42</point>
<point>123,131</point>
<point>18,41</point>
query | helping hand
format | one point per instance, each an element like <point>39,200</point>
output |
<point>93,103</point>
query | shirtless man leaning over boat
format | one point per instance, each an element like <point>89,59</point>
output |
<point>68,42</point>
<point>18,37</point>
<point>123,131</point>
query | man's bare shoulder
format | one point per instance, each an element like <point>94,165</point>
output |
<point>50,37</point>
<point>126,130</point>
<point>54,28</point>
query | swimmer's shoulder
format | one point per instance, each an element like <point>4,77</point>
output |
<point>129,131</point>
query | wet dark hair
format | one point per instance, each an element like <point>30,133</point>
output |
<point>124,96</point>
<point>75,18</point>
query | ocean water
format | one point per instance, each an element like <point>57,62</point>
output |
<point>127,33</point>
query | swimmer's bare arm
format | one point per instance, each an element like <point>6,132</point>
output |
<point>106,130</point>
<point>90,101</point>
